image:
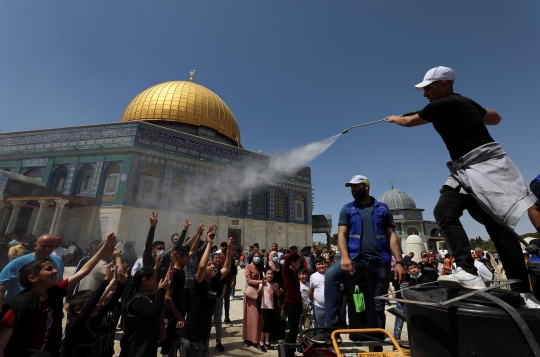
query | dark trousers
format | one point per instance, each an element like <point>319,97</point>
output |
<point>294,311</point>
<point>227,301</point>
<point>447,212</point>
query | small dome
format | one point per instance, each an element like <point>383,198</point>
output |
<point>397,199</point>
<point>183,102</point>
<point>414,239</point>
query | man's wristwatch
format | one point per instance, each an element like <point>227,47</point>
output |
<point>400,262</point>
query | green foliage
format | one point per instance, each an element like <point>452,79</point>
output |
<point>485,245</point>
<point>534,235</point>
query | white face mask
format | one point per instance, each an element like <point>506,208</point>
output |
<point>282,262</point>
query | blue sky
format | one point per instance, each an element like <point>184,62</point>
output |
<point>291,72</point>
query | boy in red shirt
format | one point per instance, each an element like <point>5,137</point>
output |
<point>40,302</point>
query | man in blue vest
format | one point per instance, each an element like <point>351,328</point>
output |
<point>366,241</point>
<point>534,211</point>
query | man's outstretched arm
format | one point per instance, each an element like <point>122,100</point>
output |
<point>408,121</point>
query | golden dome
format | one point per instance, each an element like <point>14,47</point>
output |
<point>183,102</point>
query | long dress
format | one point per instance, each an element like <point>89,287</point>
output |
<point>252,322</point>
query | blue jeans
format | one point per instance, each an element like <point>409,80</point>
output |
<point>378,276</point>
<point>318,312</point>
<point>398,324</point>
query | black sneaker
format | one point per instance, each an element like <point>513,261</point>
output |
<point>322,338</point>
<point>261,347</point>
<point>227,321</point>
<point>220,347</point>
<point>247,343</point>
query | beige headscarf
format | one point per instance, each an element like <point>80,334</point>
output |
<point>273,266</point>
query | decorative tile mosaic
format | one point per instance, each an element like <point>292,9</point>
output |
<point>95,179</point>
<point>249,202</point>
<point>34,162</point>
<point>68,135</point>
<point>70,179</point>
<point>271,202</point>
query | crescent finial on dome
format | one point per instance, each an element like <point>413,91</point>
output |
<point>191,73</point>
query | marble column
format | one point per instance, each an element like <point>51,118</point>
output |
<point>43,205</point>
<point>17,205</point>
<point>60,203</point>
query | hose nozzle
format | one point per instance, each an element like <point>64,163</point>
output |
<point>345,131</point>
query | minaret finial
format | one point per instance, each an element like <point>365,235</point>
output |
<point>191,73</point>
<point>392,184</point>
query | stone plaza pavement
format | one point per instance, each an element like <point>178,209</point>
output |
<point>232,334</point>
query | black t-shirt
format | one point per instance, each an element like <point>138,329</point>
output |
<point>459,121</point>
<point>203,301</point>
<point>177,286</point>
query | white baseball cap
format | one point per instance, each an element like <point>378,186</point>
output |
<point>439,73</point>
<point>356,179</point>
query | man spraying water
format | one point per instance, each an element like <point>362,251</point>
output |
<point>479,164</point>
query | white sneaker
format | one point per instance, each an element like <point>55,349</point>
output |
<point>530,301</point>
<point>461,279</point>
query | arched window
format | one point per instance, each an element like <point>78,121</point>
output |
<point>84,180</point>
<point>260,203</point>
<point>178,192</point>
<point>299,205</point>
<point>412,230</point>
<point>58,180</point>
<point>147,192</point>
<point>112,173</point>
<point>34,173</point>
<point>281,204</point>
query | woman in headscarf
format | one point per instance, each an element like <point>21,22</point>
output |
<point>273,263</point>
<point>252,324</point>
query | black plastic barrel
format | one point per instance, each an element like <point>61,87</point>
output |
<point>471,327</point>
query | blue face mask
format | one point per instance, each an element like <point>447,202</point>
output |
<point>159,253</point>
<point>275,260</point>
<point>256,260</point>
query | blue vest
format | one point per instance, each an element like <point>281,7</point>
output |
<point>354,243</point>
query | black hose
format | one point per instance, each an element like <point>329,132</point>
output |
<point>531,341</point>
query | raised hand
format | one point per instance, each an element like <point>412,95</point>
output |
<point>187,223</point>
<point>153,219</point>
<point>229,242</point>
<point>123,273</point>
<point>211,234</point>
<point>164,284</point>
<point>110,272</point>
<point>110,239</point>
<point>200,229</point>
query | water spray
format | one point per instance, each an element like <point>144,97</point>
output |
<point>378,121</point>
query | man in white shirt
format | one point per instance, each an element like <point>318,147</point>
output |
<point>62,252</point>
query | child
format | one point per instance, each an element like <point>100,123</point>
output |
<point>174,321</point>
<point>416,276</point>
<point>142,329</point>
<point>316,290</point>
<point>41,302</point>
<point>91,332</point>
<point>196,332</point>
<point>268,289</point>
<point>218,307</point>
<point>306,302</point>
<point>293,297</point>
